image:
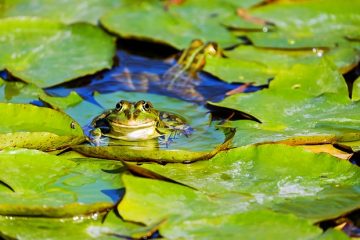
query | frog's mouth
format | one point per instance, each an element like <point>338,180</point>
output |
<point>134,124</point>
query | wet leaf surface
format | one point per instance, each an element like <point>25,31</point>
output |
<point>70,228</point>
<point>292,109</point>
<point>47,185</point>
<point>25,125</point>
<point>172,27</point>
<point>41,59</point>
<point>268,225</point>
<point>318,23</point>
<point>64,11</point>
<point>356,90</point>
<point>257,177</point>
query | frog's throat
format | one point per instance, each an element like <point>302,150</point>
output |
<point>144,125</point>
<point>131,134</point>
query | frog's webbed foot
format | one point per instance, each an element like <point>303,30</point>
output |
<point>96,139</point>
<point>175,132</point>
<point>165,140</point>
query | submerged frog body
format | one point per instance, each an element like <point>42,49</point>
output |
<point>137,121</point>
<point>181,79</point>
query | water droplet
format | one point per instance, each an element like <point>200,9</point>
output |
<point>291,41</point>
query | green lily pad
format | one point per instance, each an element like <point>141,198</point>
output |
<point>252,64</point>
<point>238,71</point>
<point>153,23</point>
<point>64,11</point>
<point>33,50</point>
<point>284,178</point>
<point>61,103</point>
<point>47,185</point>
<point>70,228</point>
<point>29,126</point>
<point>18,92</point>
<point>304,24</point>
<point>356,90</point>
<point>292,109</point>
<point>257,224</point>
<point>203,143</point>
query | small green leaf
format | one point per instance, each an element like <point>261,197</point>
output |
<point>25,125</point>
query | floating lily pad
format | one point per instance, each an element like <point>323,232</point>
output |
<point>203,143</point>
<point>258,65</point>
<point>18,92</point>
<point>71,228</point>
<point>292,109</point>
<point>153,23</point>
<point>238,71</point>
<point>61,103</point>
<point>257,224</point>
<point>302,24</point>
<point>356,90</point>
<point>319,187</point>
<point>33,50</point>
<point>26,125</point>
<point>47,185</point>
<point>64,11</point>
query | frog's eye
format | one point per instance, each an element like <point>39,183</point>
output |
<point>118,106</point>
<point>147,106</point>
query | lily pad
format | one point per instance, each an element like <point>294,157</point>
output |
<point>307,24</point>
<point>257,224</point>
<point>18,92</point>
<point>203,143</point>
<point>292,109</point>
<point>238,71</point>
<point>356,90</point>
<point>70,228</point>
<point>64,11</point>
<point>47,185</point>
<point>255,177</point>
<point>258,65</point>
<point>33,50</point>
<point>26,125</point>
<point>61,103</point>
<point>151,22</point>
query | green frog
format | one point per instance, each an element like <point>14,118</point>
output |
<point>136,122</point>
<point>181,79</point>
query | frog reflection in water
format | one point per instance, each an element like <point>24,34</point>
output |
<point>181,79</point>
<point>135,122</point>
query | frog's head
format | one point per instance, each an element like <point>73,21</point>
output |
<point>139,114</point>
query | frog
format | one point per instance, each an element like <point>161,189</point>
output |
<point>181,79</point>
<point>136,122</point>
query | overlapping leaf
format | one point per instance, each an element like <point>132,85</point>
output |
<point>47,185</point>
<point>64,11</point>
<point>308,104</point>
<point>244,179</point>
<point>307,24</point>
<point>259,65</point>
<point>151,22</point>
<point>26,125</point>
<point>47,53</point>
<point>254,177</point>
